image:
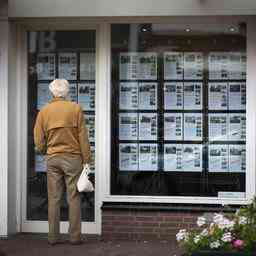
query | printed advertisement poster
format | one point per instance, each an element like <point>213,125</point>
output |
<point>244,64</point>
<point>148,157</point>
<point>236,67</point>
<point>87,66</point>
<point>128,157</point>
<point>90,125</point>
<point>86,96</point>
<point>128,126</point>
<point>218,158</point>
<point>45,66</point>
<point>173,96</point>
<point>192,158</point>
<point>193,128</point>
<point>173,66</point>
<point>173,126</point>
<point>67,66</point>
<point>43,95</point>
<point>148,126</point>
<point>193,66</point>
<point>237,158</point>
<point>173,157</point>
<point>128,66</point>
<point>147,66</point>
<point>237,96</point>
<point>218,65</point>
<point>218,96</point>
<point>192,96</point>
<point>237,127</point>
<point>218,127</point>
<point>72,95</point>
<point>128,96</point>
<point>92,165</point>
<point>148,96</point>
<point>40,163</point>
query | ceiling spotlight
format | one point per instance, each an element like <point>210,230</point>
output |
<point>144,30</point>
<point>188,30</point>
<point>232,29</point>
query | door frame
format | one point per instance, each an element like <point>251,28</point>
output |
<point>25,225</point>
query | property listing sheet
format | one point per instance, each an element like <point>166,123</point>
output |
<point>148,157</point>
<point>192,95</point>
<point>173,65</point>
<point>128,157</point>
<point>128,96</point>
<point>128,126</point>
<point>67,65</point>
<point>218,127</point>
<point>173,126</point>
<point>86,96</point>
<point>46,66</point>
<point>173,96</point>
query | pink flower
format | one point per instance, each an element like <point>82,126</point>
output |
<point>238,244</point>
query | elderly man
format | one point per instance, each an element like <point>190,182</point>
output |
<point>60,133</point>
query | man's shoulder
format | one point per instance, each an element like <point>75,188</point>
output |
<point>64,103</point>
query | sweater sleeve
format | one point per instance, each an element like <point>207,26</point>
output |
<point>39,134</point>
<point>83,138</point>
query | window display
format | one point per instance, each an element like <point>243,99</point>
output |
<point>178,110</point>
<point>71,58</point>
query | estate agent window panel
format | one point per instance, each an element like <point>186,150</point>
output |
<point>58,54</point>
<point>178,110</point>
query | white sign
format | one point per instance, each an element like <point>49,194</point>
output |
<point>218,96</point>
<point>128,157</point>
<point>173,96</point>
<point>173,65</point>
<point>68,66</point>
<point>86,96</point>
<point>148,126</point>
<point>192,96</point>
<point>193,127</point>
<point>148,157</point>
<point>173,126</point>
<point>128,126</point>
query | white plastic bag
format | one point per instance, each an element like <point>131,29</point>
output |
<point>83,183</point>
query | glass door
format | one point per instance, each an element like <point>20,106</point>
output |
<point>58,54</point>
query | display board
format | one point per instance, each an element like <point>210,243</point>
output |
<point>164,102</point>
<point>79,69</point>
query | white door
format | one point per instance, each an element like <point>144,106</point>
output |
<point>69,54</point>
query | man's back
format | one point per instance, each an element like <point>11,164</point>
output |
<point>63,126</point>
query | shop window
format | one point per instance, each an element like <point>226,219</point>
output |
<point>178,110</point>
<point>58,54</point>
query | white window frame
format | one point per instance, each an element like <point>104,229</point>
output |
<point>22,80</point>
<point>250,114</point>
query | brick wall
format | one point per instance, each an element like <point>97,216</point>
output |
<point>134,224</point>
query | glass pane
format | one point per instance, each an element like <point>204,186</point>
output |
<point>179,109</point>
<point>58,54</point>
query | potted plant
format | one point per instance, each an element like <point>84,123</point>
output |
<point>219,235</point>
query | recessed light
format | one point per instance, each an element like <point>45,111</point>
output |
<point>188,30</point>
<point>232,29</point>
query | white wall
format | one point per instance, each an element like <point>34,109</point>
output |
<point>13,113</point>
<point>3,124</point>
<point>62,8</point>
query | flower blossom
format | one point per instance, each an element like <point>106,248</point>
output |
<point>238,244</point>
<point>204,232</point>
<point>227,237</point>
<point>181,235</point>
<point>214,245</point>
<point>197,238</point>
<point>242,220</point>
<point>201,221</point>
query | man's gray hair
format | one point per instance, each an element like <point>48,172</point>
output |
<point>59,88</point>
